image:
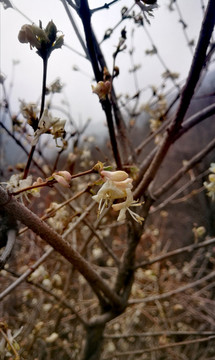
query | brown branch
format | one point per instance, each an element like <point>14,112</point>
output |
<point>178,175</point>
<point>103,243</point>
<point>21,213</point>
<point>188,248</point>
<point>161,347</point>
<point>124,142</point>
<point>160,333</point>
<point>186,96</point>
<point>52,212</point>
<point>10,345</point>
<point>187,125</point>
<point>196,119</point>
<point>173,292</point>
<point>31,154</point>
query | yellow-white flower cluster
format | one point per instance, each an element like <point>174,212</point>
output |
<point>117,185</point>
<point>60,219</point>
<point>210,184</point>
<point>16,183</point>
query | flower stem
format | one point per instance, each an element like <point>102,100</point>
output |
<point>30,156</point>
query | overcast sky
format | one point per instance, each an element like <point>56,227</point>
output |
<point>165,30</point>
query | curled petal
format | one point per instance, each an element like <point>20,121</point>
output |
<point>115,175</point>
<point>125,184</point>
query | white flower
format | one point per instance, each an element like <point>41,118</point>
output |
<point>210,185</point>
<point>212,167</point>
<point>60,219</point>
<point>117,185</point>
<point>124,206</point>
<point>16,184</point>
<point>47,123</point>
<point>52,338</point>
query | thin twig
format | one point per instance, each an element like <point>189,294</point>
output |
<point>105,6</point>
<point>21,146</point>
<point>161,347</point>
<point>50,293</point>
<point>77,32</point>
<point>30,157</point>
<point>173,292</point>
<point>10,345</point>
<point>160,333</point>
<point>186,96</point>
<point>170,199</point>
<point>188,248</point>
<point>189,165</point>
<point>28,272</point>
<point>52,212</point>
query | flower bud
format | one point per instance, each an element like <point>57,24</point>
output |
<point>63,178</point>
<point>102,89</point>
<point>51,31</point>
<point>211,177</point>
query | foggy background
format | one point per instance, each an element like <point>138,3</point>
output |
<point>165,30</point>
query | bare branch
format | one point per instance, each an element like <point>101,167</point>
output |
<point>64,2</point>
<point>28,218</point>
<point>170,198</point>
<point>173,292</point>
<point>186,96</point>
<point>105,6</point>
<point>189,165</point>
<point>160,333</point>
<point>188,248</point>
<point>25,275</point>
<point>161,347</point>
<point>44,289</point>
<point>22,147</point>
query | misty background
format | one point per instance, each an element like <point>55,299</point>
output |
<point>173,30</point>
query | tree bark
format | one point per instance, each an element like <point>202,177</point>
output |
<point>94,341</point>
